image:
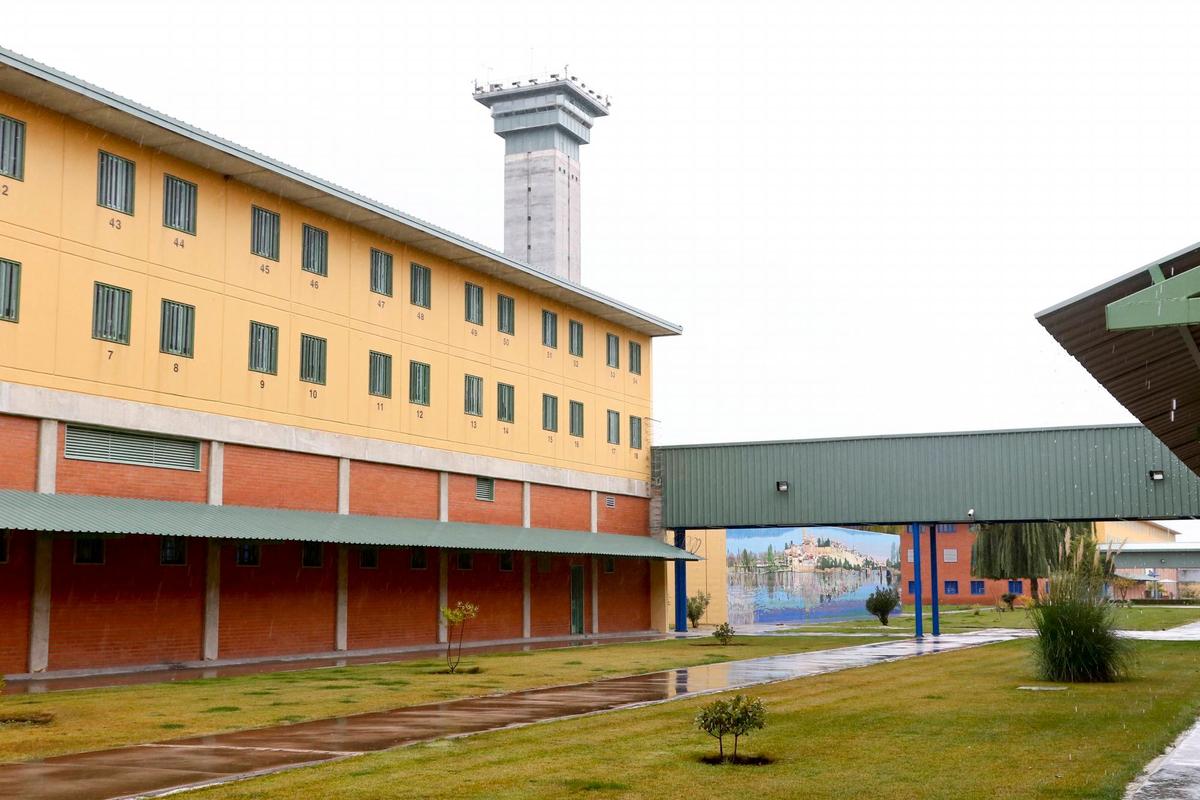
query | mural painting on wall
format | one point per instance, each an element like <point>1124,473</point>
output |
<point>806,574</point>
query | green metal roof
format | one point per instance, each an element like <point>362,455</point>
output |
<point>1092,473</point>
<point>68,513</point>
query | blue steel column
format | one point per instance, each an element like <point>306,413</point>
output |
<point>681,619</point>
<point>915,530</point>
<point>933,578</point>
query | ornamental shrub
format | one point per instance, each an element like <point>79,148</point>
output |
<point>882,602</point>
<point>724,633</point>
<point>696,606</point>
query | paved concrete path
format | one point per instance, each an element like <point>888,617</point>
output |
<point>153,769</point>
<point>1175,775</point>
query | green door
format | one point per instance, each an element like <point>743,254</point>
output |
<point>577,599</point>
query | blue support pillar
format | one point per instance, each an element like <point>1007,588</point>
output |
<point>915,530</point>
<point>681,619</point>
<point>933,578</point>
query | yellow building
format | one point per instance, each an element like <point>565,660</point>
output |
<point>711,576</point>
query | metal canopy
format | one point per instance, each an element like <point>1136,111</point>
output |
<point>91,105</point>
<point>30,511</point>
<point>1148,359</point>
<point>1092,473</point>
<point>1154,555</point>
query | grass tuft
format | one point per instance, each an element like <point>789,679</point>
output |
<point>221,710</point>
<point>586,785</point>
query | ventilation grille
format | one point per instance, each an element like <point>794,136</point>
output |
<point>610,502</point>
<point>485,489</point>
<point>119,447</point>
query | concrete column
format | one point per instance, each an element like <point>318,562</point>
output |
<point>595,512</point>
<point>444,497</point>
<point>343,597</point>
<point>212,601</point>
<point>39,618</point>
<point>47,456</point>
<point>527,601</point>
<point>526,505</point>
<point>343,486</point>
<point>595,595</point>
<point>216,473</point>
<point>443,590</point>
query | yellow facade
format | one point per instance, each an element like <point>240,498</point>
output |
<point>711,575</point>
<point>52,225</point>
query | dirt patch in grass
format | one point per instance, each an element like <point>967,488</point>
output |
<point>737,761</point>
<point>27,718</point>
<point>459,671</point>
<point>221,710</point>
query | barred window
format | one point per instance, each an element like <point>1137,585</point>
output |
<point>635,433</point>
<point>576,418</point>
<point>89,550</point>
<point>635,358</point>
<point>420,290</point>
<point>368,558</point>
<point>381,375</point>
<point>418,558</point>
<point>576,338</point>
<point>610,565</point>
<point>172,551</point>
<point>314,251</point>
<point>549,328</point>
<point>418,383</point>
<point>614,427</point>
<point>549,412</point>
<point>312,358</point>
<point>505,402</point>
<point>264,233</point>
<point>613,358</point>
<point>473,395</point>
<point>506,314</point>
<point>312,554</point>
<point>112,309</point>
<point>381,272</point>
<point>465,560</point>
<point>179,204</point>
<point>247,554</point>
<point>474,304</point>
<point>114,183</point>
<point>264,348</point>
<point>12,148</point>
<point>178,330</point>
<point>10,290</point>
<point>506,561</point>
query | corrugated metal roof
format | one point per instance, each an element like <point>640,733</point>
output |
<point>91,105</point>
<point>1153,372</point>
<point>67,513</point>
<point>1092,473</point>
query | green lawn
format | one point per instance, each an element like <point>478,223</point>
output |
<point>954,620</point>
<point>945,726</point>
<point>90,719</point>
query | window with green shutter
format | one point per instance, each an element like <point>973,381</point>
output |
<point>576,418</point>
<point>613,356</point>
<point>549,328</point>
<point>12,148</point>
<point>264,348</point>
<point>264,233</point>
<point>614,427</point>
<point>10,290</point>
<point>381,272</point>
<point>177,333</point>
<point>635,358</point>
<point>506,314</point>
<point>635,433</point>
<point>549,413</point>
<point>380,380</point>
<point>505,402</point>
<point>312,358</point>
<point>115,182</point>
<point>420,289</point>
<point>112,309</point>
<point>314,251</point>
<point>576,337</point>
<point>418,383</point>
<point>473,395</point>
<point>179,204</point>
<point>474,304</point>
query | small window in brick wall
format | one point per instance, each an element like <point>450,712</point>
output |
<point>4,535</point>
<point>610,565</point>
<point>466,560</point>
<point>610,501</point>
<point>485,489</point>
<point>247,555</point>
<point>506,561</point>
<point>543,564</point>
<point>418,559</point>
<point>89,550</point>
<point>172,551</point>
<point>368,558</point>
<point>311,554</point>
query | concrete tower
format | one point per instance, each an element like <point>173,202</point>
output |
<point>543,123</point>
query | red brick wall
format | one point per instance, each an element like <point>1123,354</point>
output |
<point>550,594</point>
<point>625,596</point>
<point>555,507</point>
<point>392,605</point>
<point>278,607</point>
<point>631,516</point>
<point>390,491</point>
<point>279,479</point>
<point>499,595</point>
<point>18,456</point>
<point>504,510</point>
<point>961,540</point>
<point>16,590</point>
<point>128,610</point>
<point>125,480</point>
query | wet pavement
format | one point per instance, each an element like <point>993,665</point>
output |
<point>1173,776</point>
<point>169,766</point>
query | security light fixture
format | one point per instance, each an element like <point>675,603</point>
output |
<point>1156,475</point>
<point>971,514</point>
<point>781,486</point>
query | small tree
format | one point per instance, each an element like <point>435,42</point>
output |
<point>457,617</point>
<point>696,606</point>
<point>734,717</point>
<point>724,633</point>
<point>1122,586</point>
<point>882,602</point>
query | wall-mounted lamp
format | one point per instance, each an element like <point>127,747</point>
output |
<point>1156,475</point>
<point>781,486</point>
<point>971,514</point>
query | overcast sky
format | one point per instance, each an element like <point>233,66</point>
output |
<point>854,209</point>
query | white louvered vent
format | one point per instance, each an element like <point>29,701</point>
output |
<point>485,489</point>
<point>121,447</point>
<point>610,501</point>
